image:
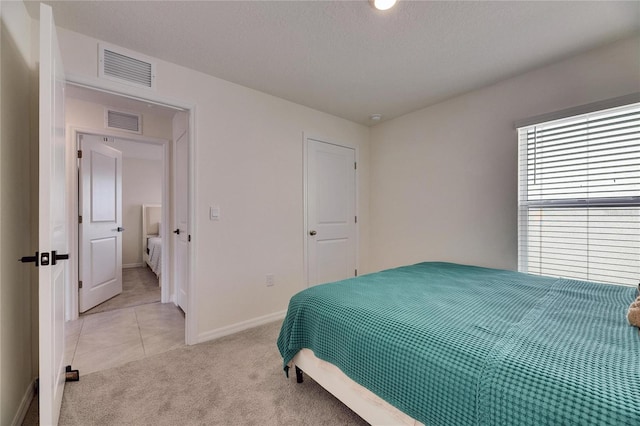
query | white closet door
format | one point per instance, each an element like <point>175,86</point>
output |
<point>331,203</point>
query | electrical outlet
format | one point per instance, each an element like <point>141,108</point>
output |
<point>270,281</point>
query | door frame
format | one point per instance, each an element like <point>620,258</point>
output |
<point>175,222</point>
<point>305,168</point>
<point>191,325</point>
<point>75,132</point>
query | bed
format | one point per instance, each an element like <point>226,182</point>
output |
<point>447,344</point>
<point>151,240</point>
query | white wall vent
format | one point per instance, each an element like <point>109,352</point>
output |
<point>120,120</point>
<point>127,67</point>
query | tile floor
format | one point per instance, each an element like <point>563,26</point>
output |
<point>109,339</point>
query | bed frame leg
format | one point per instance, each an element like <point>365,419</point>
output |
<point>299,377</point>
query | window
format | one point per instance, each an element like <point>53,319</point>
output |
<point>579,197</point>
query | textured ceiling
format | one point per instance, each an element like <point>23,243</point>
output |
<point>345,58</point>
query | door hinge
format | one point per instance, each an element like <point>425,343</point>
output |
<point>79,219</point>
<point>356,272</point>
<point>189,238</point>
<point>79,153</point>
<point>356,219</point>
<point>79,284</point>
<point>355,166</point>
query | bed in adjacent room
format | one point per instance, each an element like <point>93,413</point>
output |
<point>446,344</point>
<point>151,240</point>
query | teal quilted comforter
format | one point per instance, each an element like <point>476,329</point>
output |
<point>461,345</point>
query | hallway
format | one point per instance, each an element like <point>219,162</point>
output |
<point>113,338</point>
<point>127,327</point>
<point>139,287</point>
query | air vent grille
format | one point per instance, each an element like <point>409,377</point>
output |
<point>123,121</point>
<point>126,68</point>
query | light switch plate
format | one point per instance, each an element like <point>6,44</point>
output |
<point>214,213</point>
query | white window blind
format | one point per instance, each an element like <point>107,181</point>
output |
<point>579,197</point>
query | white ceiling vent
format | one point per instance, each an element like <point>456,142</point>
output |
<point>127,67</point>
<point>120,120</point>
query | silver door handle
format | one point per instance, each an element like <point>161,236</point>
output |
<point>312,233</point>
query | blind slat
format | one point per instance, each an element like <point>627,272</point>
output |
<point>579,197</point>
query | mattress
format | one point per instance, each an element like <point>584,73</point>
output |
<point>451,344</point>
<point>154,250</point>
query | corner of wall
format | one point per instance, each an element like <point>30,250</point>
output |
<point>18,132</point>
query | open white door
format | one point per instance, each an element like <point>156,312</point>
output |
<point>181,211</point>
<point>53,232</point>
<point>100,233</point>
<point>331,207</point>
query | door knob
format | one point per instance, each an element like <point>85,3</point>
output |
<point>55,257</point>
<point>312,233</point>
<point>120,229</point>
<point>26,259</point>
<point>177,231</point>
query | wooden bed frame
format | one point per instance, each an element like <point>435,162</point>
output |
<point>362,401</point>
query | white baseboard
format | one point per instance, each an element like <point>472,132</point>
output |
<point>132,265</point>
<point>241,326</point>
<point>24,405</point>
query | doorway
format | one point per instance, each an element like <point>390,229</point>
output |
<point>120,204</point>
<point>99,221</point>
<point>161,326</point>
<point>86,112</point>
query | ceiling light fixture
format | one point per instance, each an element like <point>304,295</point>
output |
<point>382,4</point>
<point>375,117</point>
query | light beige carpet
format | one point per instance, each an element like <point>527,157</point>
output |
<point>139,287</point>
<point>236,380</point>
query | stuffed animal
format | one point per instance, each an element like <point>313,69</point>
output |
<point>634,313</point>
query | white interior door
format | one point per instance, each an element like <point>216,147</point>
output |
<point>52,222</point>
<point>100,233</point>
<point>331,219</point>
<point>181,229</point>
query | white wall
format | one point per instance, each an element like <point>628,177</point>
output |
<point>141,184</point>
<point>444,179</point>
<point>248,161</point>
<point>16,349</point>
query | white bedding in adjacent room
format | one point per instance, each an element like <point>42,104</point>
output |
<point>151,240</point>
<point>154,247</point>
